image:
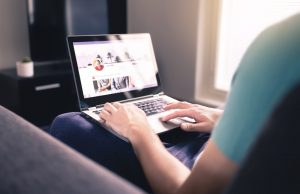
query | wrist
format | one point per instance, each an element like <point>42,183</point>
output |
<point>216,114</point>
<point>141,135</point>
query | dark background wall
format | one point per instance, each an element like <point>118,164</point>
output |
<point>172,24</point>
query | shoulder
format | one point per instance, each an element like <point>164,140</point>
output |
<point>268,70</point>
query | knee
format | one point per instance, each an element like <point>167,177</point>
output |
<point>79,132</point>
<point>73,127</point>
<point>64,124</point>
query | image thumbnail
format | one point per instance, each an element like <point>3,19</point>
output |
<point>102,85</point>
<point>122,82</point>
<point>98,63</point>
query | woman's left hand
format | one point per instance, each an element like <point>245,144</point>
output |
<point>126,119</point>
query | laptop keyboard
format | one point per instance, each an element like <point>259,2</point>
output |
<point>96,112</point>
<point>151,107</point>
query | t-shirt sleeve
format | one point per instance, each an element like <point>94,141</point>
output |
<point>268,70</point>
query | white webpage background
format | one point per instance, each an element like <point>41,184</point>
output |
<point>142,68</point>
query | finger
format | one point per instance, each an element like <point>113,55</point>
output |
<point>179,113</point>
<point>177,105</point>
<point>204,127</point>
<point>104,118</point>
<point>110,108</point>
<point>117,105</point>
<point>104,122</point>
<point>104,115</point>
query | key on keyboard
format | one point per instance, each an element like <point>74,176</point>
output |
<point>151,107</point>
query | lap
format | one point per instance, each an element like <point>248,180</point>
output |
<point>117,155</point>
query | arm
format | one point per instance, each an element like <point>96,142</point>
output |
<point>211,174</point>
<point>164,172</point>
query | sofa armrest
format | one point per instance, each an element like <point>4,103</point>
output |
<point>34,162</point>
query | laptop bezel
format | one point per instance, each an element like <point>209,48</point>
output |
<point>85,103</point>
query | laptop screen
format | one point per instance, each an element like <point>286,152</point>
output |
<point>113,67</point>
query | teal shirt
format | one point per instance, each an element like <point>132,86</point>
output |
<point>268,70</point>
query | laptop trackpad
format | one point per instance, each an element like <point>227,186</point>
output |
<point>159,126</point>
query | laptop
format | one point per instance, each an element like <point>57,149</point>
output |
<point>118,67</point>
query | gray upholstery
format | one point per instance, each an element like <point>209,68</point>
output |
<point>32,162</point>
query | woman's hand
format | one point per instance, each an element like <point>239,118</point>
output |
<point>127,120</point>
<point>205,117</point>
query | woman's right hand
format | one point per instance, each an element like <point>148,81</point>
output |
<point>205,117</point>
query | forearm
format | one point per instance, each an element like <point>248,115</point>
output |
<point>211,174</point>
<point>164,172</point>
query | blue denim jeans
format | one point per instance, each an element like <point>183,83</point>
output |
<point>98,144</point>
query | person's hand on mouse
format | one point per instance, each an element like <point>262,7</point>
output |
<point>205,117</point>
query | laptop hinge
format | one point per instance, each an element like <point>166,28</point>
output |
<point>159,94</point>
<point>141,98</point>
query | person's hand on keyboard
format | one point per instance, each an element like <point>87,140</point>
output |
<point>127,120</point>
<point>195,117</point>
